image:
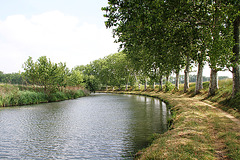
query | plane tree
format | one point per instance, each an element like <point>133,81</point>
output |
<point>174,34</point>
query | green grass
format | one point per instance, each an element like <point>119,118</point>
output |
<point>12,95</point>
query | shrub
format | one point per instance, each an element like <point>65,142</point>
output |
<point>28,97</point>
<point>42,97</point>
<point>58,96</point>
<point>79,93</point>
<point>168,86</point>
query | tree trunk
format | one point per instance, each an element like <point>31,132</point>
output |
<point>235,71</point>
<point>213,84</point>
<point>236,83</point>
<point>106,87</point>
<point>186,75</point>
<point>153,85</point>
<point>145,85</point>
<point>167,79</point>
<point>127,83</point>
<point>160,83</point>
<point>177,81</point>
<point>199,82</point>
<point>137,81</point>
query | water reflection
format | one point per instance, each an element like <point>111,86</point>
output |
<point>101,126</point>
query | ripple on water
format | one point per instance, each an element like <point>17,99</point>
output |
<point>101,126</point>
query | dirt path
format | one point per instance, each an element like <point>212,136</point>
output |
<point>237,121</point>
<point>208,103</point>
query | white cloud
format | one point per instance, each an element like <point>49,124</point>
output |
<point>61,38</point>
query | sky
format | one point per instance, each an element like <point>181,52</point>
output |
<point>71,31</point>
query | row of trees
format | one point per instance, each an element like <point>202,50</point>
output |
<point>165,36</point>
<point>112,70</point>
<point>118,70</point>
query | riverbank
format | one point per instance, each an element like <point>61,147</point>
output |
<point>200,130</point>
<point>18,95</point>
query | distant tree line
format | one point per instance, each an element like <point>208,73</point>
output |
<point>11,78</point>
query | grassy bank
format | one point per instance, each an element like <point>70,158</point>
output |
<point>17,95</point>
<point>222,99</point>
<point>199,130</point>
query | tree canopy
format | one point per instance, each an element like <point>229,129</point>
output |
<point>170,35</point>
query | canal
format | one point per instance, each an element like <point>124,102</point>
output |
<point>100,126</point>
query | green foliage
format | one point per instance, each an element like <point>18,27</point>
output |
<point>45,73</point>
<point>91,83</point>
<point>75,78</point>
<point>79,93</point>
<point>28,97</point>
<point>12,96</point>
<point>168,87</point>
<point>12,78</point>
<point>58,96</point>
<point>159,36</point>
<point>22,98</point>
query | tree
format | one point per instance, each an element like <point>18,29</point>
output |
<point>235,59</point>
<point>75,78</point>
<point>30,73</point>
<point>45,73</point>
<point>174,34</point>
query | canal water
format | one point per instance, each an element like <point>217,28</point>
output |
<point>100,126</point>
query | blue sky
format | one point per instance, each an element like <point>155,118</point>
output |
<point>70,31</point>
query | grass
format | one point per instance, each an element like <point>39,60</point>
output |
<point>11,95</point>
<point>199,130</point>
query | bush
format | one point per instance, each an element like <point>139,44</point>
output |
<point>69,94</point>
<point>28,97</point>
<point>79,93</point>
<point>169,87</point>
<point>42,97</point>
<point>58,96</point>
